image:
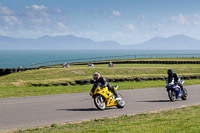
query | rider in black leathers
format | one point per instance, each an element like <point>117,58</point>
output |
<point>175,77</point>
<point>98,79</point>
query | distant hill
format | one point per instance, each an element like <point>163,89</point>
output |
<point>57,42</point>
<point>177,42</point>
<point>70,42</point>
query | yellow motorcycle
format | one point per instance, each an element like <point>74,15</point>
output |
<point>104,98</point>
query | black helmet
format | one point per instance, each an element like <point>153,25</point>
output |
<point>170,72</point>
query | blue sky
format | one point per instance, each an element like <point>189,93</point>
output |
<point>124,21</point>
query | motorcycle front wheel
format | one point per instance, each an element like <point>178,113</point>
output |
<point>172,95</point>
<point>184,97</point>
<point>120,103</point>
<point>99,102</point>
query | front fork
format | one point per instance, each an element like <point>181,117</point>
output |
<point>176,92</point>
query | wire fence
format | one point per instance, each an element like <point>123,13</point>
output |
<point>95,59</point>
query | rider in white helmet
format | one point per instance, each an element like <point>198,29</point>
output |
<point>98,79</point>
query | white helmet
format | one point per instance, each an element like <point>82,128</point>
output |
<point>96,76</point>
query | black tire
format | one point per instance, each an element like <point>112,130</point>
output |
<point>121,103</point>
<point>185,94</point>
<point>81,82</point>
<point>99,102</point>
<point>172,95</point>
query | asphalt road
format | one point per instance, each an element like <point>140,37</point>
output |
<point>36,111</point>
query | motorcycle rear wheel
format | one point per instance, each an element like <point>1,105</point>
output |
<point>99,102</point>
<point>121,103</point>
<point>172,95</point>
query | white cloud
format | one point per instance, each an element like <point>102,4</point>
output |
<point>196,19</point>
<point>37,14</point>
<point>9,20</point>
<point>180,19</point>
<point>61,27</point>
<point>34,21</point>
<point>58,10</point>
<point>115,14</point>
<point>6,11</point>
<point>130,27</point>
<point>36,7</point>
<point>37,11</point>
<point>187,20</point>
<point>7,16</point>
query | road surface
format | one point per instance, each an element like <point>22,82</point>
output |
<point>37,111</point>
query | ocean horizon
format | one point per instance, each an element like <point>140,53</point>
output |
<point>25,58</point>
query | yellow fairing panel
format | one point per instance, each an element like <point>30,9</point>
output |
<point>107,95</point>
<point>111,101</point>
<point>116,87</point>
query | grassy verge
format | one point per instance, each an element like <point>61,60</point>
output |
<point>140,59</point>
<point>19,84</point>
<point>57,75</point>
<point>50,90</point>
<point>184,119</point>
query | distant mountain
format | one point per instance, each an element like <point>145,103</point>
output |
<point>70,42</point>
<point>57,42</point>
<point>177,42</point>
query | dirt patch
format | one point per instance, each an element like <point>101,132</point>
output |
<point>58,79</point>
<point>78,72</point>
<point>19,83</point>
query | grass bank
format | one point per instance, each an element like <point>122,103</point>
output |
<point>19,84</point>
<point>140,59</point>
<point>57,75</point>
<point>184,119</point>
<point>23,91</point>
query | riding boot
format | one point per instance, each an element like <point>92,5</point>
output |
<point>114,92</point>
<point>181,86</point>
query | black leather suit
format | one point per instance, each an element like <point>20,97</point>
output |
<point>104,83</point>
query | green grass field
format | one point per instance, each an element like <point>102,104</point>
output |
<point>19,84</point>
<point>185,120</point>
<point>56,75</point>
<point>23,91</point>
<point>181,120</point>
<point>144,59</point>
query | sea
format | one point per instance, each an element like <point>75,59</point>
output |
<point>26,58</point>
